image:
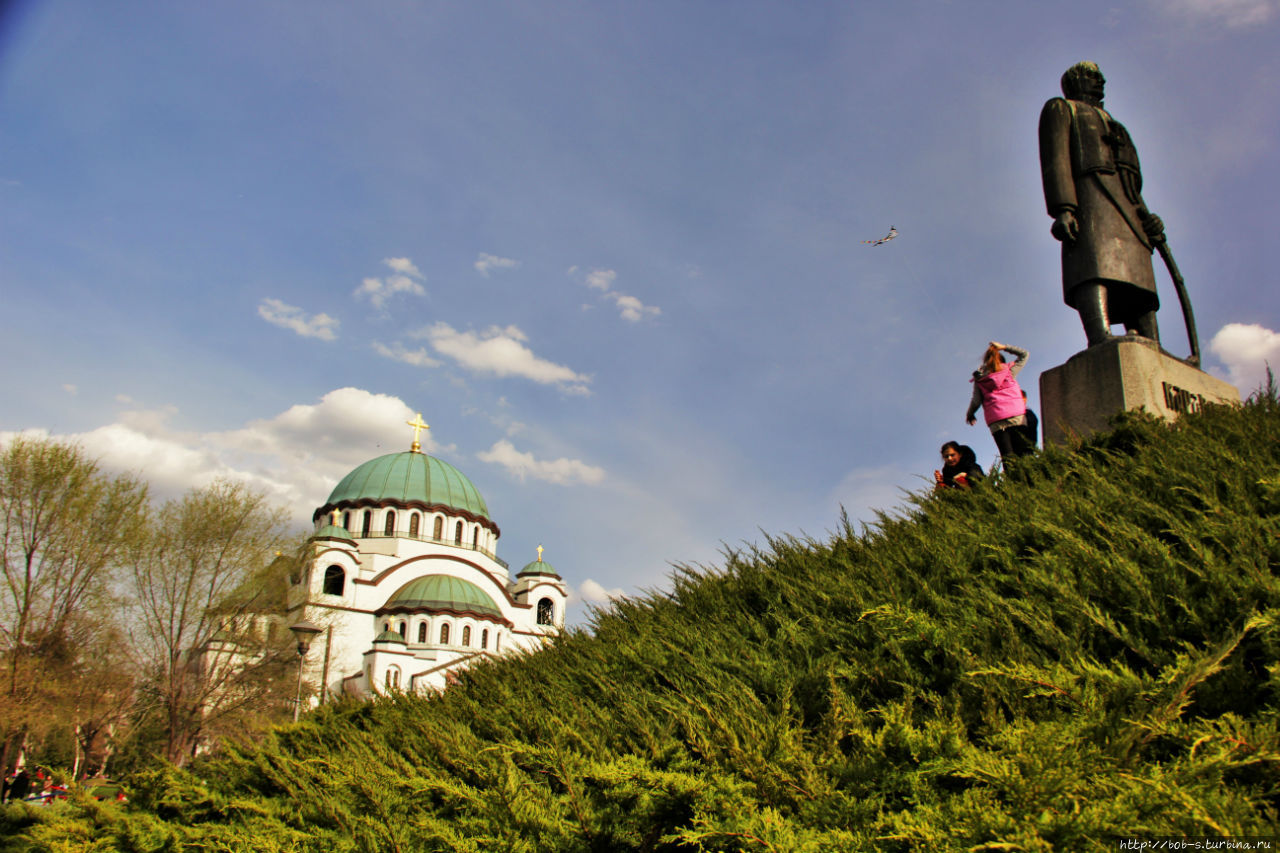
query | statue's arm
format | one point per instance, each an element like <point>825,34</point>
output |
<point>1055,164</point>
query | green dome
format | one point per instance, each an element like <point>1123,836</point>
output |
<point>539,567</point>
<point>389,637</point>
<point>333,531</point>
<point>410,477</point>
<point>443,592</point>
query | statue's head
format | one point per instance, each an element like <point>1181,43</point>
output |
<point>1083,82</point>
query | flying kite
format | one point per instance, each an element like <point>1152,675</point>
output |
<point>893,232</point>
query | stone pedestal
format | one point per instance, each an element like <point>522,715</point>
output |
<point>1079,397</point>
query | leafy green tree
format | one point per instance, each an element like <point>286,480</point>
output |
<point>67,528</point>
<point>208,591</point>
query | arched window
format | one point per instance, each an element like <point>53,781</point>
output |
<point>422,632</point>
<point>413,526</point>
<point>546,612</point>
<point>457,534</point>
<point>497,642</point>
<point>444,634</point>
<point>368,523</point>
<point>484,639</point>
<point>334,580</point>
<point>403,630</point>
<point>438,533</point>
<point>475,539</point>
<point>466,635</point>
<point>346,521</point>
<point>389,528</point>
<point>393,677</point>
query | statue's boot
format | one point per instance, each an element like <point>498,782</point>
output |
<point>1091,302</point>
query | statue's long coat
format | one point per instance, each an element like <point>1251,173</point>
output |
<point>1089,165</point>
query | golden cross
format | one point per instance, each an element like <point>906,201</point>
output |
<point>539,553</point>
<point>418,427</point>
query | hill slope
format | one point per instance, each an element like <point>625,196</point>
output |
<point>1086,649</point>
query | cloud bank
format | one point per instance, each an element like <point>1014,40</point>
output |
<point>296,457</point>
<point>1246,350</point>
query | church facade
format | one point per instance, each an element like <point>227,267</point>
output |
<point>403,577</point>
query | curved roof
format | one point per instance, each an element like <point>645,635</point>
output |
<point>389,636</point>
<point>334,531</point>
<point>409,477</point>
<point>539,567</point>
<point>443,592</point>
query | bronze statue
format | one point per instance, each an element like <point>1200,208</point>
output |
<point>1093,191</point>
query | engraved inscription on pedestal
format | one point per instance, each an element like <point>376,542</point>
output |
<point>1081,396</point>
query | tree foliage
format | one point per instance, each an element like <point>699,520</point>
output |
<point>1086,647</point>
<point>206,587</point>
<point>67,527</point>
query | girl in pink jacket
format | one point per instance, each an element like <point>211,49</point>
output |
<point>996,390</point>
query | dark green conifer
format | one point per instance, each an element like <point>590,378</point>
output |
<point>1085,649</point>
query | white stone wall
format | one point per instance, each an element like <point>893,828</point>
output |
<point>377,567</point>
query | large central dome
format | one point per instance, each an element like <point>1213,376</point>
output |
<point>410,478</point>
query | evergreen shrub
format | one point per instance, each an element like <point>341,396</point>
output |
<point>1084,647</point>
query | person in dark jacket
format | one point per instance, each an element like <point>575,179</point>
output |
<point>20,787</point>
<point>960,468</point>
<point>1030,431</point>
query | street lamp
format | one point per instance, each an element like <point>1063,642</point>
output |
<point>304,632</point>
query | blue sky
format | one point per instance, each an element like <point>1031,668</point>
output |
<point>611,251</point>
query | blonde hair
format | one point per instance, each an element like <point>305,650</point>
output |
<point>991,360</point>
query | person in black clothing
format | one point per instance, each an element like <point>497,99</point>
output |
<point>19,787</point>
<point>960,468</point>
<point>1029,431</point>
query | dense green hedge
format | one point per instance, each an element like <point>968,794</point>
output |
<point>1087,647</point>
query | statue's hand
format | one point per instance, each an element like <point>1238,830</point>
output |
<point>1153,225</point>
<point>1065,227</point>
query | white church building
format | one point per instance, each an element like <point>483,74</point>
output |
<point>404,580</point>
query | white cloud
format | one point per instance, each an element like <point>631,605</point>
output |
<point>296,457</point>
<point>417,358</point>
<point>633,309</point>
<point>1246,350</point>
<point>487,262</point>
<point>379,290</point>
<point>561,471</point>
<point>601,279</point>
<point>502,352</point>
<point>70,388</point>
<point>630,308</point>
<point>1231,13</point>
<point>291,317</point>
<point>404,266</point>
<point>591,592</point>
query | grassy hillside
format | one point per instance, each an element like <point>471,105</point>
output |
<point>1085,649</point>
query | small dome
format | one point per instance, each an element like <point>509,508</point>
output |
<point>539,567</point>
<point>332,531</point>
<point>443,592</point>
<point>410,477</point>
<point>389,637</point>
